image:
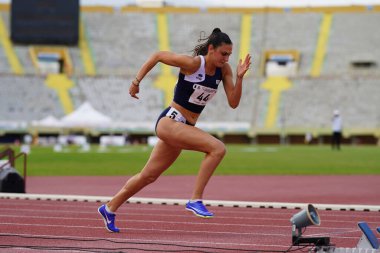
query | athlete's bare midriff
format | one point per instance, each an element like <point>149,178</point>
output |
<point>189,115</point>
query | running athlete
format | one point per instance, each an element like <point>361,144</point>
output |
<point>198,81</point>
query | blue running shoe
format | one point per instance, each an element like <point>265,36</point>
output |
<point>199,209</point>
<point>109,219</point>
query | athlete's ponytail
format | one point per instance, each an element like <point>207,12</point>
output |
<point>216,39</point>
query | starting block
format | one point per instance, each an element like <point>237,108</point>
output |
<point>368,243</point>
<point>368,239</point>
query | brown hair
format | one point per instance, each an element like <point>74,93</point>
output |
<point>216,38</point>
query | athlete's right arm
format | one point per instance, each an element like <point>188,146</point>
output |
<point>187,64</point>
<point>184,62</point>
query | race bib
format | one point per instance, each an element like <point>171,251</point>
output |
<point>176,115</point>
<point>201,95</point>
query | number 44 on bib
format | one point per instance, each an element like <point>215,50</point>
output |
<point>201,95</point>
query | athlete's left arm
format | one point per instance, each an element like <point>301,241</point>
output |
<point>233,91</point>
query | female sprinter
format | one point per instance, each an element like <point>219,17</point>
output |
<point>198,81</point>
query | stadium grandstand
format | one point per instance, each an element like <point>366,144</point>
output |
<point>307,62</point>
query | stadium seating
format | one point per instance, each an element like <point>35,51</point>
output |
<point>121,41</point>
<point>352,39</point>
<point>110,96</point>
<point>26,98</point>
<point>22,51</point>
<point>183,38</point>
<point>311,102</point>
<point>286,31</point>
<point>4,67</point>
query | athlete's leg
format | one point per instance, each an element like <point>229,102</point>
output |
<point>188,137</point>
<point>162,156</point>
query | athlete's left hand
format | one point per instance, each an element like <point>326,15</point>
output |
<point>243,67</point>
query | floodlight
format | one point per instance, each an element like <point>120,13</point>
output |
<point>303,219</point>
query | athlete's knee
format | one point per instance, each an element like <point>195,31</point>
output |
<point>218,149</point>
<point>148,178</point>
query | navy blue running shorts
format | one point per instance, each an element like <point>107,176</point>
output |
<point>172,113</point>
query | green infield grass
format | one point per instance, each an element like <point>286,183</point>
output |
<point>239,160</point>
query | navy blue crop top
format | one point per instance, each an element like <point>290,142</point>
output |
<point>194,91</point>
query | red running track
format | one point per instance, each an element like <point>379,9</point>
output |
<point>341,189</point>
<point>60,226</point>
<point>36,225</point>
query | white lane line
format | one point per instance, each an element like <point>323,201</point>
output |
<point>163,201</point>
<point>165,208</point>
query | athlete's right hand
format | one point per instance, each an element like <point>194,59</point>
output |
<point>133,90</point>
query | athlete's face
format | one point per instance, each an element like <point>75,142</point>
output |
<point>222,54</point>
